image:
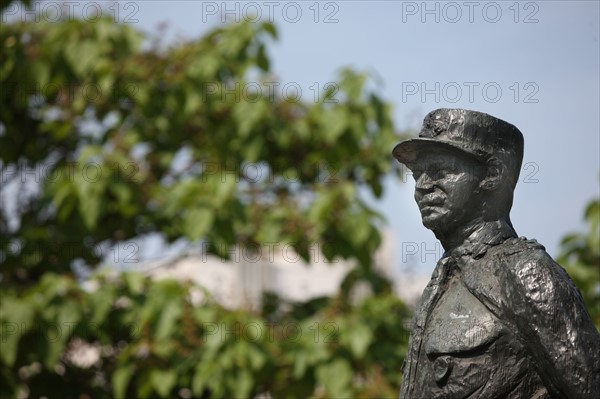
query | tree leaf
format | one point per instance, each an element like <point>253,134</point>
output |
<point>197,222</point>
<point>168,320</point>
<point>333,124</point>
<point>359,337</point>
<point>120,380</point>
<point>163,381</point>
<point>16,318</point>
<point>335,377</point>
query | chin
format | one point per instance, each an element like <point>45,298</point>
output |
<point>431,215</point>
<point>433,222</point>
<point>437,222</point>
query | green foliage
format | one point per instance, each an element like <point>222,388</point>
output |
<point>104,122</point>
<point>135,337</point>
<point>121,140</point>
<point>580,255</point>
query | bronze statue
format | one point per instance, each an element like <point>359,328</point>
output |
<point>499,318</point>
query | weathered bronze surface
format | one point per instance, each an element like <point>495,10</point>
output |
<point>499,318</point>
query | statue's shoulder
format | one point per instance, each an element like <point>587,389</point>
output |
<point>501,266</point>
<point>530,270</point>
<point>541,303</point>
<point>518,253</point>
<point>520,246</point>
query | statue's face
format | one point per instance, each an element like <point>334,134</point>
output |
<point>447,190</point>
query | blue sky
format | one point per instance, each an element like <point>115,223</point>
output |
<point>534,64</point>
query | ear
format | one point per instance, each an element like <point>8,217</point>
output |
<point>494,174</point>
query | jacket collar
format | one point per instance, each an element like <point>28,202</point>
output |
<point>489,234</point>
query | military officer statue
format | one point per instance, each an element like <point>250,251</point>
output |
<point>499,318</point>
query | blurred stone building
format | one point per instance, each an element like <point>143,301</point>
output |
<point>241,281</point>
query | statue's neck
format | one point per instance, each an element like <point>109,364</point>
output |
<point>477,231</point>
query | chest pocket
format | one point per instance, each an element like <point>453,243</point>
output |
<point>459,323</point>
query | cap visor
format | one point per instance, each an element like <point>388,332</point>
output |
<point>410,152</point>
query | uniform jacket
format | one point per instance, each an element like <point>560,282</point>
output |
<point>534,299</point>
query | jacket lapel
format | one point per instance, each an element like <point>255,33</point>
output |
<point>431,295</point>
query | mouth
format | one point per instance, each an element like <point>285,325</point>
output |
<point>426,209</point>
<point>431,203</point>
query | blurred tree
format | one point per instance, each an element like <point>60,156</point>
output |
<point>103,140</point>
<point>580,255</point>
<point>125,141</point>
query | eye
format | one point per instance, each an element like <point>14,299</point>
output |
<point>437,173</point>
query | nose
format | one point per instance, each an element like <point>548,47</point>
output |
<point>424,183</point>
